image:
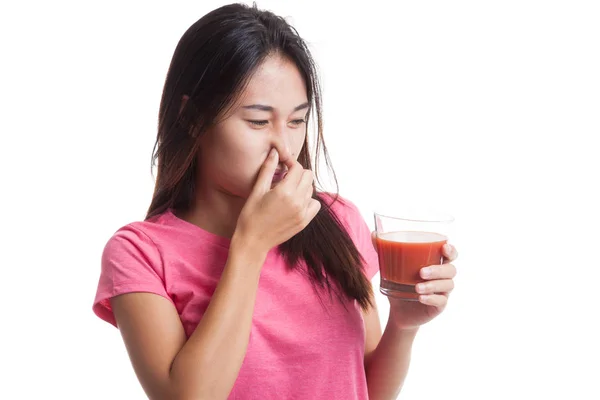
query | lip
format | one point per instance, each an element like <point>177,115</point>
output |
<point>279,175</point>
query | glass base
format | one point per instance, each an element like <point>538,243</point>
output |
<point>398,290</point>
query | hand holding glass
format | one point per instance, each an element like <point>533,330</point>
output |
<point>405,245</point>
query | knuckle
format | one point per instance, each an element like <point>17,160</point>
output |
<point>317,204</point>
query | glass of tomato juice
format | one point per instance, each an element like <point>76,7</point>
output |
<point>406,242</point>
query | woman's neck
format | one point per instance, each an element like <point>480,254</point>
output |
<point>215,211</point>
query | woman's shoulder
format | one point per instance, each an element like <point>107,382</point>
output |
<point>138,234</point>
<point>130,262</point>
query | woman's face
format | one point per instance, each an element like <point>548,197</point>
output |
<point>271,112</point>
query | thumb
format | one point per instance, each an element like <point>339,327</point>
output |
<point>265,175</point>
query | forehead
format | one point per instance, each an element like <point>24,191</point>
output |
<point>278,83</point>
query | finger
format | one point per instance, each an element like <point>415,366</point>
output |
<point>311,211</point>
<point>292,179</point>
<point>306,185</point>
<point>265,175</point>
<point>438,286</point>
<point>435,300</point>
<point>449,252</point>
<point>444,271</point>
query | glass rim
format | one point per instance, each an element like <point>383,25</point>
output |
<point>438,218</point>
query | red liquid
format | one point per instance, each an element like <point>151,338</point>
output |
<point>401,257</point>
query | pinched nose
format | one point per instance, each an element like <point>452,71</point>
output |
<point>285,157</point>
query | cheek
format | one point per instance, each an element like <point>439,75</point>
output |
<point>233,160</point>
<point>298,142</point>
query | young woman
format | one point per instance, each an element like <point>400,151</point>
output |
<point>244,281</point>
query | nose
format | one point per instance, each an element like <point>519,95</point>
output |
<point>281,141</point>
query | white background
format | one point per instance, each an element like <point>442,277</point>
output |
<point>488,110</point>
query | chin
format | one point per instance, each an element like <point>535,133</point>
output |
<point>239,191</point>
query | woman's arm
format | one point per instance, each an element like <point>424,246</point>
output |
<point>387,356</point>
<point>207,365</point>
<point>387,360</point>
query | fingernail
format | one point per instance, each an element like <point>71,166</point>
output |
<point>421,288</point>
<point>448,248</point>
<point>425,272</point>
<point>272,153</point>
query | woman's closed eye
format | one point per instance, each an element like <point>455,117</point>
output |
<point>260,122</point>
<point>298,121</point>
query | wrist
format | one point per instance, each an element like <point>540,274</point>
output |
<point>250,249</point>
<point>398,325</point>
<point>403,336</point>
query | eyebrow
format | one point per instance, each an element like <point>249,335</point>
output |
<point>262,107</point>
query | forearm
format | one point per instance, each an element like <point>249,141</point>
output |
<point>209,363</point>
<point>387,366</point>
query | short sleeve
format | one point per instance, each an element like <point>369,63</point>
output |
<point>361,235</point>
<point>130,263</point>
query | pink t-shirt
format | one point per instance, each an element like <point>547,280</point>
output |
<point>298,349</point>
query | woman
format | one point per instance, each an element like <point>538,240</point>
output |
<point>244,282</point>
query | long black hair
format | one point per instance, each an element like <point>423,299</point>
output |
<point>211,65</point>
